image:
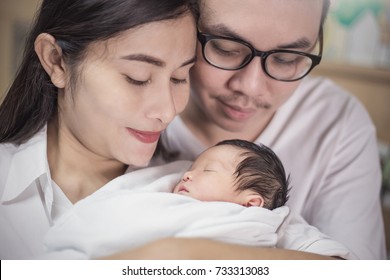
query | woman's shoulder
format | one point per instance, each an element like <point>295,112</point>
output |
<point>7,152</point>
<point>18,161</point>
<point>10,150</point>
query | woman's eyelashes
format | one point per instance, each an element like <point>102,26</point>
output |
<point>178,81</point>
<point>175,81</point>
<point>137,82</point>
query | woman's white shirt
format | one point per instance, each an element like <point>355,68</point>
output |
<point>29,200</point>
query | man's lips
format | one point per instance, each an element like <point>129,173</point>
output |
<point>145,136</point>
<point>236,112</point>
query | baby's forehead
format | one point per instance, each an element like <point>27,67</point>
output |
<point>223,153</point>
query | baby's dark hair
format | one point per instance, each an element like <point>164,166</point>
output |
<point>261,171</point>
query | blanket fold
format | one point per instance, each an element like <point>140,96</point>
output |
<point>139,207</point>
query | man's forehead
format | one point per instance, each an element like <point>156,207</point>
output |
<point>270,27</point>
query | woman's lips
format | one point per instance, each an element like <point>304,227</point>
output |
<point>145,136</point>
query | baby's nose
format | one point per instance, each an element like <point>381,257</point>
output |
<point>186,178</point>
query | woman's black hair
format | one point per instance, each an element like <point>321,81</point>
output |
<point>31,100</point>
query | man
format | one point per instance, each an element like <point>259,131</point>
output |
<point>249,82</point>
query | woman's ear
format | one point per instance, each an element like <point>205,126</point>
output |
<point>254,200</point>
<point>50,56</point>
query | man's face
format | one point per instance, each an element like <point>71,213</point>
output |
<point>239,100</point>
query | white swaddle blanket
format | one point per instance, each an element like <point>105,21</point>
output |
<point>138,207</point>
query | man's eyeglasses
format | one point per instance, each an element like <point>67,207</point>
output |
<point>234,54</point>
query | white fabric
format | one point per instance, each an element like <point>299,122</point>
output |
<point>31,202</point>
<point>26,198</point>
<point>327,143</point>
<point>139,207</point>
<point>61,203</point>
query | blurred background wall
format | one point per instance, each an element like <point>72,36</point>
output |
<point>15,17</point>
<point>357,55</point>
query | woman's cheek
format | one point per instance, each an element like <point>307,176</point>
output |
<point>181,100</point>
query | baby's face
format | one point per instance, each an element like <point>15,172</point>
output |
<point>211,176</point>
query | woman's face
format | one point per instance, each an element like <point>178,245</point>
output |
<point>129,89</point>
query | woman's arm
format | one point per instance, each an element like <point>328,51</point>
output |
<point>202,249</point>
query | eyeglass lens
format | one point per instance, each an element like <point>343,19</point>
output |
<point>232,55</point>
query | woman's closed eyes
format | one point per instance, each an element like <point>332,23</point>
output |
<point>135,82</point>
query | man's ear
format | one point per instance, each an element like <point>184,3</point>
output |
<point>254,200</point>
<point>50,56</point>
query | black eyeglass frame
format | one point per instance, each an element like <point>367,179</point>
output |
<point>203,38</point>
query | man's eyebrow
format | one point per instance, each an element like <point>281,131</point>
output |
<point>223,30</point>
<point>302,43</point>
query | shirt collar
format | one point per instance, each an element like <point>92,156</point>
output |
<point>28,163</point>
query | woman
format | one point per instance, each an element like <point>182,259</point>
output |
<point>99,82</point>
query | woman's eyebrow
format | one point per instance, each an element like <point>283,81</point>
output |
<point>145,58</point>
<point>189,61</point>
<point>153,60</point>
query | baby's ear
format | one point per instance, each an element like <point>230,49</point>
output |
<point>254,200</point>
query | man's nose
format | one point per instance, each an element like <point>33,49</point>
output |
<point>250,80</point>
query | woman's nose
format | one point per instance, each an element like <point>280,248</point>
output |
<point>164,107</point>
